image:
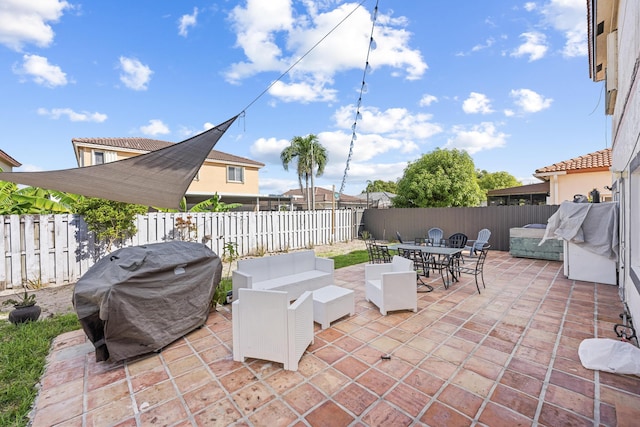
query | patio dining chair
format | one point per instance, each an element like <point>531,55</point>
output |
<point>477,269</point>
<point>473,246</point>
<point>381,253</point>
<point>436,236</point>
<point>457,240</point>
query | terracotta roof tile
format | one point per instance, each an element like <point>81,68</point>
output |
<point>147,144</point>
<point>598,160</point>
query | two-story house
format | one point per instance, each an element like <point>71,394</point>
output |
<point>233,178</point>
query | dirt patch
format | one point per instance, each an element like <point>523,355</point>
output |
<point>58,299</point>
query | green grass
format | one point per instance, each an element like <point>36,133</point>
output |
<point>352,258</point>
<point>23,350</point>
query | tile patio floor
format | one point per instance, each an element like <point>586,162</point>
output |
<point>507,357</point>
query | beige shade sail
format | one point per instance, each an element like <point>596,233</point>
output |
<point>159,178</point>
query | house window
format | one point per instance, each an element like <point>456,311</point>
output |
<point>235,174</point>
<point>98,157</point>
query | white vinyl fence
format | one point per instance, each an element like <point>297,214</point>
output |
<point>41,250</point>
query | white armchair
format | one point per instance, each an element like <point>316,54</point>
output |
<point>266,326</point>
<point>392,286</point>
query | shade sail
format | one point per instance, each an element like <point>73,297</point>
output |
<point>159,178</point>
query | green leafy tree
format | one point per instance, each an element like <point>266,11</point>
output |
<point>495,180</point>
<point>111,221</point>
<point>311,160</point>
<point>381,186</point>
<point>442,178</point>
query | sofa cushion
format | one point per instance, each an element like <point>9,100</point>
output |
<point>304,261</point>
<point>256,267</point>
<point>279,266</point>
<point>304,280</point>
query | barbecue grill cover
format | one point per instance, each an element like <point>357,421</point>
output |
<point>139,299</point>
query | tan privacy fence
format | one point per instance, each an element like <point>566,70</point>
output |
<point>40,250</point>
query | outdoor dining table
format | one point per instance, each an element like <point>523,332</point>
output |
<point>442,251</point>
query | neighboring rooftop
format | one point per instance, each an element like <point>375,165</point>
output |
<point>9,160</point>
<point>592,162</point>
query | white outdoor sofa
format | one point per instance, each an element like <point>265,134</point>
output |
<point>294,273</point>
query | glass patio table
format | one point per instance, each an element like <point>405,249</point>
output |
<point>445,257</point>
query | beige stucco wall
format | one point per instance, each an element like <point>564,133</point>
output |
<point>5,166</point>
<point>579,183</point>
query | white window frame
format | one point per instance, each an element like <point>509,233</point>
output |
<point>95,157</point>
<point>234,178</point>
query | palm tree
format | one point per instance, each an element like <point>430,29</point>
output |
<point>34,200</point>
<point>310,155</point>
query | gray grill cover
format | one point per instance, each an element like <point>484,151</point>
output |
<point>139,299</point>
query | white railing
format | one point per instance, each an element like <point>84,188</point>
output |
<point>43,250</point>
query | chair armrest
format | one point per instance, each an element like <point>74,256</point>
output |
<point>300,329</point>
<point>240,280</point>
<point>325,264</point>
<point>375,271</point>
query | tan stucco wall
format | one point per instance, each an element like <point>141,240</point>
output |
<point>580,183</point>
<point>6,166</point>
<point>212,178</point>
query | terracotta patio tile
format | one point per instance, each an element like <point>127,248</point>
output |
<point>175,352</point>
<point>110,414</point>
<point>369,354</point>
<point>528,368</point>
<point>193,379</point>
<point>463,400</point>
<point>552,415</point>
<point>145,379</point>
<point>572,383</point>
<point>274,413</point>
<point>450,354</point>
<point>439,368</point>
<point>515,400</point>
<point>330,354</point>
<point>348,343</point>
<point>385,344</point>
<point>384,414</point>
<point>409,355</point>
<point>408,399</point>
<point>237,379</point>
<point>310,365</point>
<point>60,393</point>
<point>143,365</point>
<point>524,383</point>
<point>483,367</point>
<point>424,381</point>
<point>498,416</point>
<point>330,415</point>
<point>283,381</point>
<point>166,413</point>
<point>54,379</point>
<point>491,354</point>
<point>106,394</point>
<point>351,366</point>
<point>422,344</point>
<point>439,415</point>
<point>224,366</point>
<point>304,397</point>
<point>629,383</point>
<point>184,364</point>
<point>252,397</point>
<point>395,367</point>
<point>155,394</point>
<point>473,382</point>
<point>355,398</point>
<point>568,399</point>
<point>469,335</point>
<point>329,381</point>
<point>58,412</point>
<point>376,381</point>
<point>573,367</point>
<point>608,415</point>
<point>204,396</point>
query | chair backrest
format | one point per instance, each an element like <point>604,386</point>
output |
<point>420,241</point>
<point>482,257</point>
<point>483,237</point>
<point>399,263</point>
<point>457,240</point>
<point>381,253</point>
<point>435,235</point>
<point>399,237</point>
<point>370,250</point>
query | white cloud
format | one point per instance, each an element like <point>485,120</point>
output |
<point>27,22</point>
<point>41,72</point>
<point>84,116</point>
<point>487,44</point>
<point>477,103</point>
<point>568,16</point>
<point>155,127</point>
<point>427,100</point>
<point>476,138</point>
<point>268,149</point>
<point>302,92</point>
<point>530,101</point>
<point>187,21</point>
<point>135,75</point>
<point>535,46</point>
<point>509,113</point>
<point>530,6</point>
<point>29,168</point>
<point>396,123</point>
<point>274,36</point>
<point>275,185</point>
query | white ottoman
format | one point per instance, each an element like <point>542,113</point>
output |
<point>331,303</point>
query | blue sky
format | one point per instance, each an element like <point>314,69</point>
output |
<point>508,81</point>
